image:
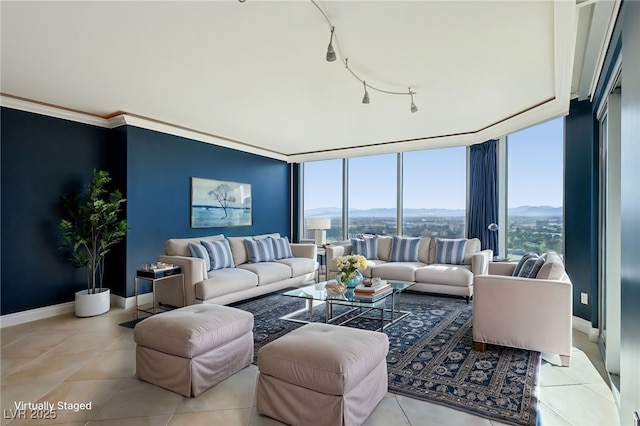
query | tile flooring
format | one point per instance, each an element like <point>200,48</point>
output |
<point>76,360</point>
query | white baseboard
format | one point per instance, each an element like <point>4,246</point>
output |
<point>65,308</point>
<point>36,314</point>
<point>584,326</point>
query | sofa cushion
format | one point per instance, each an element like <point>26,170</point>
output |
<point>299,265</point>
<point>521,262</point>
<point>455,275</point>
<point>281,248</point>
<point>268,272</point>
<point>450,251</point>
<point>238,250</point>
<point>260,250</point>
<point>400,271</point>
<point>384,247</point>
<point>198,250</point>
<point>219,254</point>
<point>367,247</point>
<point>404,249</point>
<point>473,246</point>
<point>553,268</point>
<point>531,267</point>
<point>423,249</point>
<point>180,246</point>
<point>221,282</point>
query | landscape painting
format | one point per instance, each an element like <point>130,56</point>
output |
<point>219,203</point>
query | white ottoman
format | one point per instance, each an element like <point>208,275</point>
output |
<point>323,374</point>
<point>190,349</point>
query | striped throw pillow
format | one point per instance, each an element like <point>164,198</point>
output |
<point>198,250</point>
<point>531,267</point>
<point>219,254</point>
<point>260,250</point>
<point>367,247</point>
<point>281,248</point>
<point>404,249</point>
<point>450,251</point>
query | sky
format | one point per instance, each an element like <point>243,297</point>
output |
<point>436,178</point>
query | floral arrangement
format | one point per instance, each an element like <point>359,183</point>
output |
<point>348,265</point>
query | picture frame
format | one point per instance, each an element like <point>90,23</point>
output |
<point>220,203</point>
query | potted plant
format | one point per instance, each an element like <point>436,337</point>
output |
<point>91,227</point>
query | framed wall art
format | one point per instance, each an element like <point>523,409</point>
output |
<point>219,203</point>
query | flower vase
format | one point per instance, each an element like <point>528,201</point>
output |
<point>353,282</point>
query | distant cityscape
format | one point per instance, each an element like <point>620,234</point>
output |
<point>530,228</point>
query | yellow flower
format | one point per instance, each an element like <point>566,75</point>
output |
<point>349,264</point>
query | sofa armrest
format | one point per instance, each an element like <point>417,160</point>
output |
<point>502,268</point>
<point>193,270</point>
<point>304,250</point>
<point>527,313</point>
<point>480,262</point>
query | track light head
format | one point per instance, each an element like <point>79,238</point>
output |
<point>414,108</point>
<point>331,54</point>
<point>365,99</point>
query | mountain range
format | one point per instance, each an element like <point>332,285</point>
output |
<point>528,211</point>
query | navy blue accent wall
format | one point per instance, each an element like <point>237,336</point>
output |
<point>581,207</point>
<point>42,159</point>
<point>159,171</point>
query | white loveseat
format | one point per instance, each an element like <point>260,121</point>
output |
<point>242,281</point>
<point>527,313</point>
<point>428,276</point>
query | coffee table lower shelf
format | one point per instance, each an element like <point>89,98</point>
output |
<point>394,315</point>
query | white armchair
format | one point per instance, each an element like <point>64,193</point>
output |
<point>526,313</point>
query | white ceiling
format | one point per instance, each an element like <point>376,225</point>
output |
<point>254,73</point>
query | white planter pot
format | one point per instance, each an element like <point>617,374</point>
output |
<point>90,305</point>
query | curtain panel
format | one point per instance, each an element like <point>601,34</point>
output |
<point>483,200</point>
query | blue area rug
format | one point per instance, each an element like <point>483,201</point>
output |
<point>431,356</point>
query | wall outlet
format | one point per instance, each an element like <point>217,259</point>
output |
<point>584,298</point>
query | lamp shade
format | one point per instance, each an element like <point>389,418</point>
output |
<point>319,223</point>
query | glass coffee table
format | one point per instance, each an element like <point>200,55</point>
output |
<point>316,295</point>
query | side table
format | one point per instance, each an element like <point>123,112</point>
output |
<point>155,275</point>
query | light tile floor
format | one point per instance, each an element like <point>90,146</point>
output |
<point>76,360</point>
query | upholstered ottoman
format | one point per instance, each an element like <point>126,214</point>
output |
<point>323,374</point>
<point>190,349</point>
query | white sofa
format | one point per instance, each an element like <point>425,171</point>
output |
<point>428,276</point>
<point>527,313</point>
<point>242,281</point>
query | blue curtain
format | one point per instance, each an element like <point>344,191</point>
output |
<point>483,205</point>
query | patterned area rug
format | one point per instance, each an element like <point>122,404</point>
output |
<point>431,356</point>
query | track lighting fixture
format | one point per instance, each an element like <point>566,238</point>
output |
<point>331,54</point>
<point>365,99</point>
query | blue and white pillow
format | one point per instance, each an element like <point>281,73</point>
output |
<point>531,266</point>
<point>219,254</point>
<point>260,250</point>
<point>281,248</point>
<point>450,251</point>
<point>198,250</point>
<point>404,249</point>
<point>523,260</point>
<point>367,247</point>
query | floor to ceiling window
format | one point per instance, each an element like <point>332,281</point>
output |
<point>434,193</point>
<point>373,195</point>
<point>323,196</point>
<point>535,189</point>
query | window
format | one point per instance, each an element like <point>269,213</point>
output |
<point>434,193</point>
<point>323,196</point>
<point>535,189</point>
<point>373,195</point>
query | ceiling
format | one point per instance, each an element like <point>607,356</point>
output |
<point>252,75</point>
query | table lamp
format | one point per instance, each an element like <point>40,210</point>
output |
<point>320,224</point>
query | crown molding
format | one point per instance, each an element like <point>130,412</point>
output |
<point>123,119</point>
<point>51,111</point>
